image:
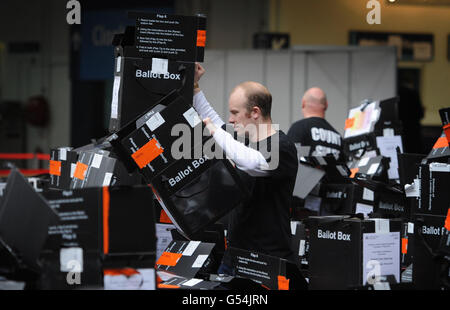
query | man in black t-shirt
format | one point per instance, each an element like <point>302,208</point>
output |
<point>268,162</point>
<point>314,130</point>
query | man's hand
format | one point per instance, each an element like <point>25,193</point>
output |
<point>199,71</point>
<point>210,125</point>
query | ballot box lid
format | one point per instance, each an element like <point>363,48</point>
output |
<point>24,219</point>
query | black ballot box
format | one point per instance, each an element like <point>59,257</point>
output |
<point>98,168</point>
<point>270,272</point>
<point>154,57</point>
<point>430,268</point>
<point>434,193</point>
<point>61,167</point>
<point>346,252</point>
<point>372,168</point>
<point>25,217</point>
<point>440,151</point>
<point>300,244</point>
<point>198,192</point>
<point>107,227</point>
<point>407,244</point>
<point>346,199</point>
<point>160,136</point>
<point>188,259</point>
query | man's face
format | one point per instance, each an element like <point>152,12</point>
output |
<point>239,115</point>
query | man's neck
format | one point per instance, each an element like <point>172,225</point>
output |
<point>313,114</point>
<point>263,131</point>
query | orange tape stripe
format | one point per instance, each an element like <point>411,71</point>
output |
<point>80,171</point>
<point>404,245</point>
<point>163,218</point>
<point>119,272</point>
<point>161,285</point>
<point>55,167</point>
<point>440,143</point>
<point>201,38</point>
<point>283,283</point>
<point>147,153</point>
<point>169,259</point>
<point>106,202</point>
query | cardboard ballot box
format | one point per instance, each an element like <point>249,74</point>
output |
<point>150,148</point>
<point>62,164</point>
<point>346,199</point>
<point>271,272</point>
<point>429,272</point>
<point>98,168</point>
<point>370,120</point>
<point>300,243</point>
<point>197,192</point>
<point>98,227</point>
<point>347,252</point>
<point>372,168</point>
<point>156,56</point>
<point>434,184</point>
<point>25,217</point>
<point>187,259</point>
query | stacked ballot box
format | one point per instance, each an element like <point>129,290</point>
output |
<point>153,58</point>
<point>346,252</point>
<point>99,230</point>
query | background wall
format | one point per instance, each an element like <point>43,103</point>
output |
<point>329,22</point>
<point>43,72</point>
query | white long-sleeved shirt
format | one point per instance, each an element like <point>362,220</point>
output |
<point>247,159</point>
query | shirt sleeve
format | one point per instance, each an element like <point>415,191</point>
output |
<point>246,159</point>
<point>204,109</point>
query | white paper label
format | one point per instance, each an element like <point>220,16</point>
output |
<point>373,168</point>
<point>439,167</point>
<point>115,97</point>
<point>192,117</point>
<point>143,279</point>
<point>293,227</point>
<point>192,282</point>
<point>381,226</point>
<point>119,62</point>
<point>191,247</point>
<point>388,148</point>
<point>388,132</point>
<point>410,228</point>
<point>155,121</point>
<point>364,209</point>
<point>382,286</point>
<point>96,161</point>
<point>71,259</point>
<point>363,162</point>
<point>301,248</point>
<point>62,154</point>
<point>107,179</point>
<point>381,256</point>
<point>200,261</point>
<point>368,194</point>
<point>413,190</point>
<point>72,169</point>
<point>164,237</point>
<point>160,65</point>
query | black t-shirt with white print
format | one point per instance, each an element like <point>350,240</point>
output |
<point>263,223</point>
<point>317,133</point>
